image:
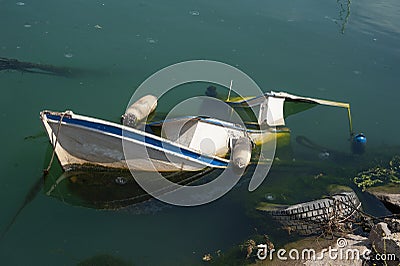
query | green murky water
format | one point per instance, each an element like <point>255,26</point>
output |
<point>340,50</point>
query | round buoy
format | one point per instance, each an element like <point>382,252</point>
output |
<point>359,143</point>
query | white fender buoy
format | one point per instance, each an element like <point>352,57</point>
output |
<point>241,152</point>
<point>139,110</point>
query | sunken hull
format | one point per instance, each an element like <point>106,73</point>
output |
<point>81,142</point>
<point>105,189</point>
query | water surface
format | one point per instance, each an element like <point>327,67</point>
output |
<point>340,50</point>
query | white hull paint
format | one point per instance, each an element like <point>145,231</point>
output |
<point>84,141</point>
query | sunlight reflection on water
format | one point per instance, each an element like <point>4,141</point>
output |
<point>378,16</point>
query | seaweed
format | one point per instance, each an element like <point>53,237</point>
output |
<point>379,175</point>
<point>28,67</point>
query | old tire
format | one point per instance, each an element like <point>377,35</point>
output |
<point>311,217</point>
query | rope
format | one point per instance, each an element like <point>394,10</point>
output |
<point>362,213</point>
<point>46,170</point>
<point>229,93</point>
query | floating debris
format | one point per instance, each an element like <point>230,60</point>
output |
<point>318,175</point>
<point>20,3</point>
<point>120,180</point>
<point>194,13</point>
<point>323,155</point>
<point>97,26</point>
<point>27,25</point>
<point>151,40</point>
<point>68,55</point>
<point>250,245</point>
<point>269,196</point>
<point>207,257</point>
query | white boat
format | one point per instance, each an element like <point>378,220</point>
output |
<point>85,141</point>
<point>81,141</point>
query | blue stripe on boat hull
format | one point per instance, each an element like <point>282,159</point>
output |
<point>138,137</point>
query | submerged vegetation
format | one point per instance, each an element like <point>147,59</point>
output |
<point>28,67</point>
<point>379,175</point>
<point>344,14</point>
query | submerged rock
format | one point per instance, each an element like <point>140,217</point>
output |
<point>391,201</point>
<point>383,182</point>
<point>384,241</point>
<point>389,195</point>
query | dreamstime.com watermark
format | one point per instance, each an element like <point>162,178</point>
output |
<point>332,253</point>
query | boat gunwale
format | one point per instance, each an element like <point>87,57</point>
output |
<point>202,159</point>
<point>217,122</point>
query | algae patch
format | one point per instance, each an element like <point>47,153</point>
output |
<point>379,175</point>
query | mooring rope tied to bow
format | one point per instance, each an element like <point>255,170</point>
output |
<point>46,170</point>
